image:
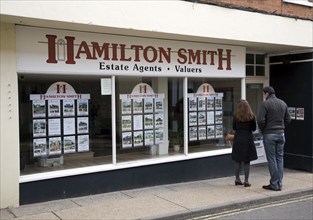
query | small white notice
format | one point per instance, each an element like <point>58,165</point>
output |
<point>106,88</point>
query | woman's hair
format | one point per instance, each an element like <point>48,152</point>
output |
<point>243,111</point>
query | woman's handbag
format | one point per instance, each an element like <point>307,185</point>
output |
<point>230,136</point>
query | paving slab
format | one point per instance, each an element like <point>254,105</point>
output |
<point>135,208</point>
<point>304,176</point>
<point>6,214</point>
<point>147,191</point>
<point>41,216</point>
<point>210,196</point>
<point>43,207</point>
<point>103,198</point>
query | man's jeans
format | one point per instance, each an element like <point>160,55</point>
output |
<point>274,148</point>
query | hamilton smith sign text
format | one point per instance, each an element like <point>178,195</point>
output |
<point>106,52</point>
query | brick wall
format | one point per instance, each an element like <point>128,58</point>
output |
<point>276,7</point>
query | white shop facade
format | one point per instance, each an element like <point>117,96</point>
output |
<point>101,112</point>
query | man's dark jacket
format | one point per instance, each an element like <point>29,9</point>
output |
<point>273,115</point>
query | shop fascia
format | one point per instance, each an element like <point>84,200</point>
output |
<point>150,54</point>
<point>57,51</point>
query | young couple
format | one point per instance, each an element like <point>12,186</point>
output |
<point>272,119</point>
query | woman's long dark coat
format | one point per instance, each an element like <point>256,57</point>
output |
<point>243,146</point>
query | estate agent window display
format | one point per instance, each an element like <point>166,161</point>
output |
<point>65,123</point>
<point>63,128</point>
<point>60,123</point>
<point>205,114</point>
<point>142,117</point>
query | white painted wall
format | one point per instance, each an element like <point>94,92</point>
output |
<point>172,16</point>
<point>9,129</point>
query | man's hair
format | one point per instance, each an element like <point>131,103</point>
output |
<point>269,89</point>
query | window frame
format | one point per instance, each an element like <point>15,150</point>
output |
<point>255,64</point>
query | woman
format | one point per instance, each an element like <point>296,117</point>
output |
<point>244,123</point>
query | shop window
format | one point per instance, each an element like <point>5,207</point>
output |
<point>142,119</point>
<point>65,123</point>
<point>210,113</point>
<point>176,114</point>
<point>255,64</point>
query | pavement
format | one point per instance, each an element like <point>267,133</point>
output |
<point>173,201</point>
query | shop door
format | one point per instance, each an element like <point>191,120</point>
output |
<point>254,96</point>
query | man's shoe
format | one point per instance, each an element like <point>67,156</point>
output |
<point>268,187</point>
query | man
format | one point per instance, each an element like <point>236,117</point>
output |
<point>272,119</point>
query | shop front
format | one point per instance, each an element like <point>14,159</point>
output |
<point>100,97</point>
<point>103,112</point>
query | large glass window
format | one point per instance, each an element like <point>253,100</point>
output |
<point>65,123</point>
<point>142,118</point>
<point>176,114</point>
<point>211,104</point>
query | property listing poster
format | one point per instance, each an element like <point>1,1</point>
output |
<point>296,113</point>
<point>205,114</point>
<point>60,121</point>
<point>142,117</point>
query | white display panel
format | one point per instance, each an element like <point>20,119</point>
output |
<point>56,118</point>
<point>142,116</point>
